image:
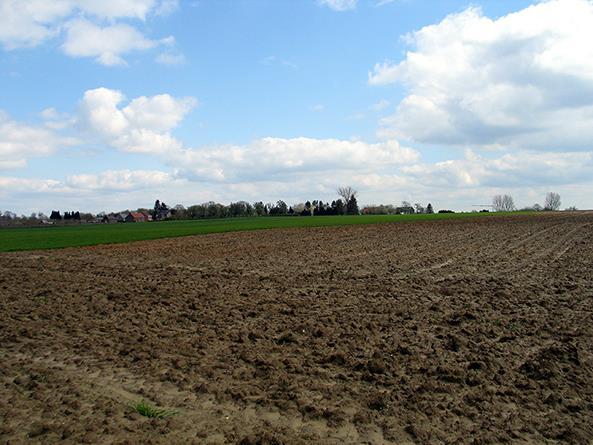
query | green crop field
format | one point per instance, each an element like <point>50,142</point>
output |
<point>53,237</point>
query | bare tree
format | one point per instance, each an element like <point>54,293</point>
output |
<point>503,203</point>
<point>508,203</point>
<point>347,193</point>
<point>552,202</point>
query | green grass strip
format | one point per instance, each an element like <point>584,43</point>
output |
<point>55,237</point>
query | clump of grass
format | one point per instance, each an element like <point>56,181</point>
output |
<point>148,410</point>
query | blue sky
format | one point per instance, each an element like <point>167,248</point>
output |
<point>107,105</point>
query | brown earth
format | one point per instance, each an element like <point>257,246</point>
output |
<point>477,331</point>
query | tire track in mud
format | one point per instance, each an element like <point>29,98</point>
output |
<point>550,248</point>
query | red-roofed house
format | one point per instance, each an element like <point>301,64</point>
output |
<point>136,217</point>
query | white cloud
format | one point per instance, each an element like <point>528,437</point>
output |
<point>107,44</point>
<point>119,180</point>
<point>28,23</point>
<point>270,158</point>
<point>111,190</point>
<point>511,170</point>
<point>28,185</point>
<point>317,108</point>
<point>170,58</point>
<point>106,181</point>
<point>113,9</point>
<point>456,184</point>
<point>142,126</point>
<point>339,5</point>
<point>524,80</point>
<point>55,120</point>
<point>19,142</point>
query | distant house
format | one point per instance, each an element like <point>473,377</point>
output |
<point>136,217</point>
<point>109,219</point>
<point>404,210</point>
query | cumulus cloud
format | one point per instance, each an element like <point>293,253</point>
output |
<point>110,190</point>
<point>19,142</point>
<point>524,80</point>
<point>106,181</point>
<point>275,157</point>
<point>107,44</point>
<point>142,126</point>
<point>339,5</point>
<point>514,170</point>
<point>145,125</point>
<point>27,185</point>
<point>28,23</point>
<point>119,180</point>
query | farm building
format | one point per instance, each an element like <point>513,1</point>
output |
<point>137,217</point>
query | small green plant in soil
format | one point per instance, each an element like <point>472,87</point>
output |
<point>148,410</point>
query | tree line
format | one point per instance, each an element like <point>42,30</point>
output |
<point>506,203</point>
<point>346,204</point>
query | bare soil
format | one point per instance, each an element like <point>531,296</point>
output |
<point>477,331</point>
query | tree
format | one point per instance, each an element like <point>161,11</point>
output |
<point>160,211</point>
<point>429,209</point>
<point>347,193</point>
<point>552,202</point>
<point>338,207</point>
<point>280,209</point>
<point>419,208</point>
<point>308,210</point>
<point>298,208</point>
<point>55,214</point>
<point>260,208</point>
<point>320,210</point>
<point>352,206</point>
<point>503,203</point>
<point>179,212</point>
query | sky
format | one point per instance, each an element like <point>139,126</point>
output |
<point>108,105</point>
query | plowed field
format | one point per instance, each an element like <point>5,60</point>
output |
<point>477,331</point>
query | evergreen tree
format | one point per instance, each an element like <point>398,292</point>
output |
<point>339,207</point>
<point>352,206</point>
<point>429,208</point>
<point>156,209</point>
